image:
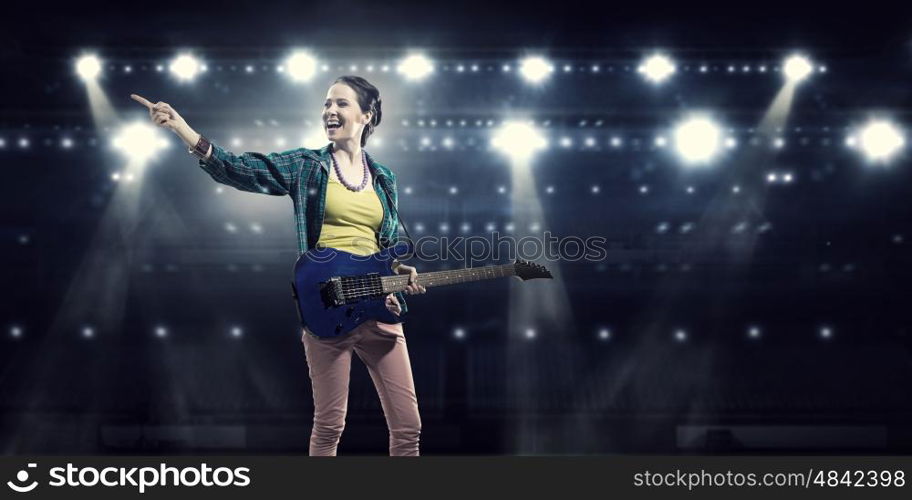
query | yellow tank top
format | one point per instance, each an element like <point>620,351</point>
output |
<point>351,219</point>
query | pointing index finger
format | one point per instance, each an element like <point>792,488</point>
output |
<point>141,100</point>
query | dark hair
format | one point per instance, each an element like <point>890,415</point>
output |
<point>368,99</point>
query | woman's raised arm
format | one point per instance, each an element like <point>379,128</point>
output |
<point>272,173</point>
<point>163,115</point>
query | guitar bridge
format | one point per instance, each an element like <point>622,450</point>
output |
<point>332,292</point>
<point>342,290</point>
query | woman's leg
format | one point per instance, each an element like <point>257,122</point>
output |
<point>382,348</point>
<point>329,365</point>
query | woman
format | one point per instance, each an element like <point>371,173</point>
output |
<point>333,208</point>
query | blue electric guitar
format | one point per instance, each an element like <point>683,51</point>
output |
<point>335,291</point>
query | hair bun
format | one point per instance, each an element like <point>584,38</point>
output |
<point>378,111</point>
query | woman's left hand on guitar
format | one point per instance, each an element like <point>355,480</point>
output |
<point>413,286</point>
<point>392,304</point>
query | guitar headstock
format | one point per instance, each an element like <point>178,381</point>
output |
<point>529,270</point>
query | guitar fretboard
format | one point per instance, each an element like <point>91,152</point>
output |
<point>398,283</point>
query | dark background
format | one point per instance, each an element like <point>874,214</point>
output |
<point>834,253</point>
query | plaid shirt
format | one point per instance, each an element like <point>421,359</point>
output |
<point>302,174</point>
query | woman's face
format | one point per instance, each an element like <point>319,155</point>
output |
<point>343,118</point>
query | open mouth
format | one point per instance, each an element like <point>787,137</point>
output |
<point>333,125</point>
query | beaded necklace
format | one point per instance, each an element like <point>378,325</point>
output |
<point>351,187</point>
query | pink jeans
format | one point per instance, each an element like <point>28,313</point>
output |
<point>381,346</point>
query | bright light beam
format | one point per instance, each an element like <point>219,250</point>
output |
<point>185,67</point>
<point>535,69</point>
<point>519,140</point>
<point>657,68</point>
<point>415,67</point>
<point>315,138</point>
<point>88,67</point>
<point>880,141</point>
<point>697,140</point>
<point>301,66</point>
<point>139,142</point>
<point>797,68</point>
<point>545,303</point>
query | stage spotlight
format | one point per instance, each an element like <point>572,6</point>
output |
<point>680,335</point>
<point>161,332</point>
<point>604,334</point>
<point>535,69</point>
<point>139,142</point>
<point>797,68</point>
<point>657,68</point>
<point>519,140</point>
<point>697,140</point>
<point>237,332</point>
<point>530,333</point>
<point>415,67</point>
<point>315,138</point>
<point>880,140</point>
<point>459,333</point>
<point>300,66</point>
<point>185,67</point>
<point>88,67</point>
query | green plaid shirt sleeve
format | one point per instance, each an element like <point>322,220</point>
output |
<point>394,221</point>
<point>273,173</point>
<point>394,231</point>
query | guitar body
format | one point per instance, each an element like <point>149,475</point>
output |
<point>320,309</point>
<point>335,291</point>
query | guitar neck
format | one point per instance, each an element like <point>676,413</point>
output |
<point>397,283</point>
